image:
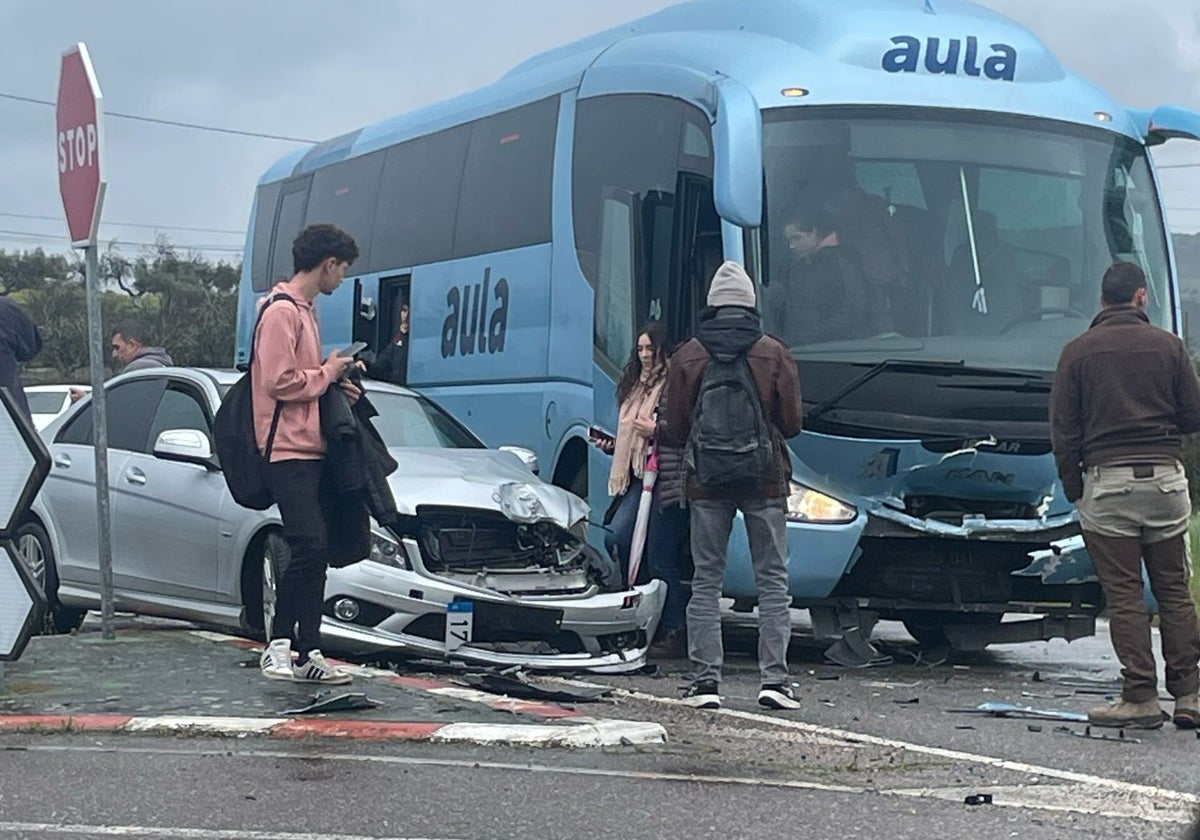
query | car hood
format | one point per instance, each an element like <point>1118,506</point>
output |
<point>481,479</point>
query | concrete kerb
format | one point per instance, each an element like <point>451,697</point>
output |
<point>568,729</point>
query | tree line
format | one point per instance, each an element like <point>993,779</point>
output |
<point>186,303</point>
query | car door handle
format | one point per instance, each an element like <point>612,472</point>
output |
<point>62,460</point>
<point>135,476</point>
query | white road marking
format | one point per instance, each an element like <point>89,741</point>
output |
<point>200,725</point>
<point>595,733</point>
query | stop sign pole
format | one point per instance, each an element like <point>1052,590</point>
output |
<point>82,186</point>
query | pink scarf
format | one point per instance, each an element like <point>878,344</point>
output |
<point>631,448</point>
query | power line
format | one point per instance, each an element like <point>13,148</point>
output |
<point>130,224</point>
<point>27,236</point>
<point>176,123</point>
<point>1177,166</point>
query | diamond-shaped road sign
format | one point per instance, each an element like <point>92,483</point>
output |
<point>25,465</point>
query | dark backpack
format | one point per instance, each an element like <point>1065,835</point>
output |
<point>234,439</point>
<point>731,446</point>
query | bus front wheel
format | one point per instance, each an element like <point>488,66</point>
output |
<point>928,628</point>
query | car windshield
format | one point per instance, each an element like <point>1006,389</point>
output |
<point>45,402</point>
<point>948,237</point>
<point>415,421</point>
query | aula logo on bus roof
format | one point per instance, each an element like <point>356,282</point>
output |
<point>905,57</point>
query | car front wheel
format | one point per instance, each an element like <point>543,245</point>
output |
<point>34,548</point>
<point>274,556</point>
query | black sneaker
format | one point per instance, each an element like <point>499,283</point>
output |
<point>778,696</point>
<point>703,694</point>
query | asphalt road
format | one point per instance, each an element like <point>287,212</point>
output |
<point>873,753</point>
<point>217,790</point>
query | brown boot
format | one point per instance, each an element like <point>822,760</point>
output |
<point>1147,715</point>
<point>1187,711</point>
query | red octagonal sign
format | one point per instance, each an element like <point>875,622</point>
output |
<point>79,142</point>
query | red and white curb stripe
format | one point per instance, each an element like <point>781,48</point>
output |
<point>585,733</point>
<point>570,730</point>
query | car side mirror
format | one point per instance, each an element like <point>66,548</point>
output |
<point>528,457</point>
<point>188,446</point>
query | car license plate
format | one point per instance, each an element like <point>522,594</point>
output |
<point>460,624</point>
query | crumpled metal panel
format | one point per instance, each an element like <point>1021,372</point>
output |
<point>482,480</point>
<point>1065,561</point>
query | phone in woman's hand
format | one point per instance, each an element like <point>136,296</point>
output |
<point>602,438</point>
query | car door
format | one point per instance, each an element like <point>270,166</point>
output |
<point>69,493</point>
<point>167,513</point>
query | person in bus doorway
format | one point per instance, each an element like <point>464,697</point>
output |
<point>287,370</point>
<point>637,397</point>
<point>734,399</point>
<point>391,364</point>
<point>1124,394</point>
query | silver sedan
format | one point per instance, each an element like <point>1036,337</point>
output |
<point>481,533</point>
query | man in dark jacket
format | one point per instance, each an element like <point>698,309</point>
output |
<point>20,341</point>
<point>1124,394</point>
<point>730,327</point>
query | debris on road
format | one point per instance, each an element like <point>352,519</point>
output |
<point>978,799</point>
<point>1098,736</point>
<point>336,701</point>
<point>1011,710</point>
<point>517,683</point>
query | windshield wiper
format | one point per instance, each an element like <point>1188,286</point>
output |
<point>935,368</point>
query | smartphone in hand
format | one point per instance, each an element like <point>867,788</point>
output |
<point>353,349</point>
<point>601,437</point>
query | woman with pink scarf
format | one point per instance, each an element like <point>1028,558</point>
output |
<point>637,393</point>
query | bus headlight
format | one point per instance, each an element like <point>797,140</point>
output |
<point>387,551</point>
<point>805,504</point>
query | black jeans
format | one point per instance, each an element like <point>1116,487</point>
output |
<point>301,489</point>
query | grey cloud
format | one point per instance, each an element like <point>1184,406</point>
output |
<point>318,69</point>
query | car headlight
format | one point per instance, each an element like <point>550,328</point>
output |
<point>387,551</point>
<point>805,504</point>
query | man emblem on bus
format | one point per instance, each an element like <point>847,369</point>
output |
<point>467,328</point>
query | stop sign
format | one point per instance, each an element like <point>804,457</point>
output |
<point>79,144</point>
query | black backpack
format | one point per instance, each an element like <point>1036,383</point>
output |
<point>234,439</point>
<point>732,445</point>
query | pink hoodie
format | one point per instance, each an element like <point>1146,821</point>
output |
<point>287,368</point>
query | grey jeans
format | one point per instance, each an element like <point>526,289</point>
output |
<point>766,527</point>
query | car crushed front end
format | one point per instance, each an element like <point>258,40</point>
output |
<point>487,565</point>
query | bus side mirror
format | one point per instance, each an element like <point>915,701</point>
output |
<point>1167,122</point>
<point>738,155</point>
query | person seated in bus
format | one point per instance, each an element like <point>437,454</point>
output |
<point>985,304</point>
<point>823,296</point>
<point>391,363</point>
<point>638,393</point>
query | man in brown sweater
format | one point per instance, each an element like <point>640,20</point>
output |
<point>730,331</point>
<point>1124,394</point>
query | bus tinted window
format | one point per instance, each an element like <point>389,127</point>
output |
<point>289,221</point>
<point>505,199</point>
<point>418,200</point>
<point>264,215</point>
<point>344,195</point>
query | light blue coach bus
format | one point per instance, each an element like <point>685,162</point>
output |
<point>977,188</point>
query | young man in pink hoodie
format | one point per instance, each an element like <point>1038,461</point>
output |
<point>287,370</point>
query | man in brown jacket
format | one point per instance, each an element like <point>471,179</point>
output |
<point>730,330</point>
<point>1124,394</point>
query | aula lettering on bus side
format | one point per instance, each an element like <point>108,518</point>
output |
<point>467,326</point>
<point>1001,65</point>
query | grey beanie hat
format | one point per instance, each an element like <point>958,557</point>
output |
<point>731,286</point>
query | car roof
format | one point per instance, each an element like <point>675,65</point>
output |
<point>228,376</point>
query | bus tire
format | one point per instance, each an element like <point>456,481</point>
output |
<point>928,628</point>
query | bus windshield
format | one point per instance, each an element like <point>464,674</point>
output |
<point>944,236</point>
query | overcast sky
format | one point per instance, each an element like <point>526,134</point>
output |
<point>317,69</point>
